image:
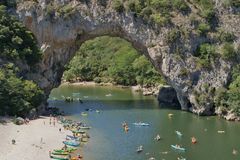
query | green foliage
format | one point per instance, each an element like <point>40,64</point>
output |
<point>183,72</point>
<point>203,28</point>
<point>8,3</point>
<point>180,5</point>
<point>236,71</point>
<point>228,52</point>
<point>230,97</point>
<point>160,19</point>
<point>25,95</point>
<point>118,5</point>
<point>225,36</point>
<point>65,10</point>
<point>206,50</point>
<point>207,9</point>
<point>16,41</point>
<point>231,3</point>
<point>173,35</point>
<point>161,4</point>
<point>206,53</point>
<point>134,6</point>
<point>108,59</point>
<point>17,96</point>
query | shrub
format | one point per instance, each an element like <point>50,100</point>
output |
<point>118,5</point>
<point>183,72</point>
<point>203,63</point>
<point>161,4</point>
<point>180,5</point>
<point>146,13</point>
<point>235,3</point>
<point>16,41</point>
<point>203,28</point>
<point>173,35</point>
<point>228,51</point>
<point>226,37</point>
<point>205,51</point>
<point>97,80</point>
<point>160,19</point>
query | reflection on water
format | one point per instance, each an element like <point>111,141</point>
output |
<point>109,141</point>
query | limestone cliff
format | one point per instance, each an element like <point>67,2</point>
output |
<point>61,26</point>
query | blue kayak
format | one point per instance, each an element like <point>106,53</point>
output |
<point>178,148</point>
<point>71,143</point>
<point>73,138</point>
<point>141,124</point>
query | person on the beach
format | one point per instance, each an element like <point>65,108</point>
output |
<point>13,141</point>
<point>50,154</point>
<point>60,129</point>
<point>64,147</point>
<point>50,121</point>
<point>79,157</point>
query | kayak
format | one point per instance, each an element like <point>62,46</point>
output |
<point>178,148</point>
<point>84,114</point>
<point>181,158</point>
<point>71,143</point>
<point>139,149</point>
<point>170,115</point>
<point>178,133</point>
<point>85,127</point>
<point>59,157</point>
<point>61,153</point>
<point>72,137</point>
<point>194,140</point>
<point>141,124</point>
<point>69,150</point>
<point>78,131</point>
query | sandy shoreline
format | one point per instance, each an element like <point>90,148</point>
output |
<point>28,140</point>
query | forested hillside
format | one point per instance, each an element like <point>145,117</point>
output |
<point>111,59</point>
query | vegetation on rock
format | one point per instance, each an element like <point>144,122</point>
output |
<point>18,46</point>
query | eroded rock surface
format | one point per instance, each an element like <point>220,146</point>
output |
<point>60,36</point>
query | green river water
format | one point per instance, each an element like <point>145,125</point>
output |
<point>109,142</point>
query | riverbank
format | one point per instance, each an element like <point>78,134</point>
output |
<point>147,91</point>
<point>33,140</point>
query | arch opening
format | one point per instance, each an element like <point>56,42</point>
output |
<point>113,59</point>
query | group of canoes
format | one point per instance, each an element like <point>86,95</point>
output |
<point>175,147</point>
<point>71,141</point>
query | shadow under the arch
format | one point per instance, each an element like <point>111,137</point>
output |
<point>76,107</point>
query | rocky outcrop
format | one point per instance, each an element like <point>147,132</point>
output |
<point>60,34</point>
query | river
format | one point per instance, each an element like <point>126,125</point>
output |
<point>109,142</point>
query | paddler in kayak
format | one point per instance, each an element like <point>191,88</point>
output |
<point>194,140</point>
<point>124,124</point>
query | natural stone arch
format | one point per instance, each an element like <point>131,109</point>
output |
<point>60,37</point>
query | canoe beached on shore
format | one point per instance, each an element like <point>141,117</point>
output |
<point>71,143</point>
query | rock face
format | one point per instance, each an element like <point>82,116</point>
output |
<point>168,96</point>
<point>61,34</point>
